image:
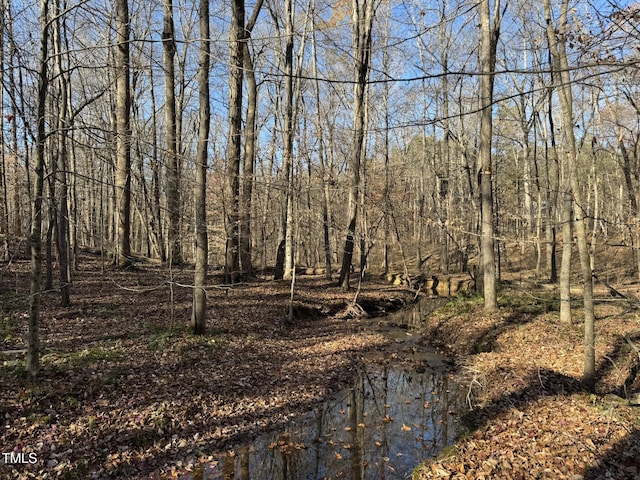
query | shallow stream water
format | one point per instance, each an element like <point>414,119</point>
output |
<point>394,416</point>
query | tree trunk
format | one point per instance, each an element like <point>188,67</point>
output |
<point>538,184</point>
<point>552,194</point>
<point>557,45</point>
<point>4,205</point>
<point>200,189</point>
<point>324,171</point>
<point>626,170</point>
<point>386,212</point>
<point>288,140</point>
<point>248,165</point>
<point>173,171</point>
<point>443,180</point>
<point>33,345</point>
<point>14,85</point>
<point>363,13</point>
<point>250,134</point>
<point>234,141</point>
<point>156,216</point>
<point>51,226</point>
<point>565,265</point>
<point>62,222</point>
<point>488,43</point>
<point>123,136</point>
<point>74,246</point>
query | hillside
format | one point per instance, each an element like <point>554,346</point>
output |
<point>528,416</point>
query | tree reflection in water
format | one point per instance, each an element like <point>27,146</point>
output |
<point>381,428</point>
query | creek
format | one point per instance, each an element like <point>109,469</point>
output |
<point>399,411</point>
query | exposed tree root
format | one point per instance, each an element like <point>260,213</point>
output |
<point>355,310</point>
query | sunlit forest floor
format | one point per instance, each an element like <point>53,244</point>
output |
<point>520,369</point>
<point>127,392</point>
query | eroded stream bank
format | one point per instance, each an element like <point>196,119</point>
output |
<point>399,411</point>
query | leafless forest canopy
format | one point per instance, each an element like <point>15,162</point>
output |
<point>287,81</point>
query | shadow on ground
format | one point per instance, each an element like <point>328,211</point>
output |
<point>622,462</point>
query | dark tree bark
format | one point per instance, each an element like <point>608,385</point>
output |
<point>565,262</point>
<point>202,155</point>
<point>62,222</point>
<point>173,171</point>
<point>33,345</point>
<point>4,205</point>
<point>363,13</point>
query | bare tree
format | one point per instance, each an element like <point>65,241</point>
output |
<point>289,135</point>
<point>63,126</point>
<point>250,136</point>
<point>557,37</point>
<point>173,172</point>
<point>4,205</point>
<point>156,216</point>
<point>33,347</point>
<point>285,257</point>
<point>123,135</point>
<point>362,23</point>
<point>325,169</point>
<point>286,248</point>
<point>234,139</point>
<point>489,33</point>
<point>200,189</point>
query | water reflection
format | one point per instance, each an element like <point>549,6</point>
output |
<point>402,329</point>
<point>381,428</point>
<point>417,314</point>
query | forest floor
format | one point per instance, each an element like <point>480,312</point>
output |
<point>127,392</point>
<point>520,369</point>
